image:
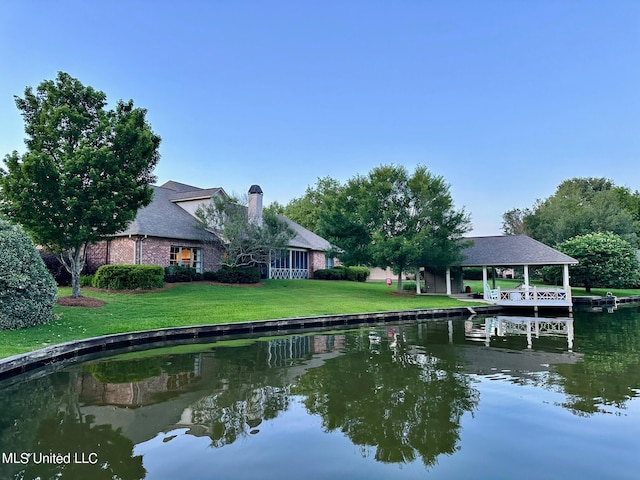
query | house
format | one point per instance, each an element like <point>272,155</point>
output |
<point>166,232</point>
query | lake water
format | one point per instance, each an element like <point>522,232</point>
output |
<point>495,398</point>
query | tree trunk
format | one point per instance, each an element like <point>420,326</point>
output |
<point>399,289</point>
<point>73,260</point>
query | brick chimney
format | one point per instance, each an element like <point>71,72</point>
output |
<point>255,204</point>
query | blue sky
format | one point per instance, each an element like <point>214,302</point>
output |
<point>503,98</point>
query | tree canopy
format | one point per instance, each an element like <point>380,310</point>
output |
<point>393,218</point>
<point>605,260</point>
<point>578,207</point>
<point>306,210</point>
<point>86,170</point>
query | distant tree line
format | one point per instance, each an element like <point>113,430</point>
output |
<point>592,220</point>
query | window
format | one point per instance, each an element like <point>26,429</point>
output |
<point>289,264</point>
<point>328,262</point>
<point>189,256</point>
<point>299,260</point>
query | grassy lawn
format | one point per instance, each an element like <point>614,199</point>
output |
<point>199,303</point>
<point>476,286</point>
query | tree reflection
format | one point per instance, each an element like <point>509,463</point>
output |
<point>398,400</point>
<point>96,451</point>
<point>608,373</point>
<point>246,392</point>
<point>42,417</point>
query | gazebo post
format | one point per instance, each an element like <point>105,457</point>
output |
<point>565,281</point>
<point>526,277</point>
<point>485,281</point>
<point>448,277</point>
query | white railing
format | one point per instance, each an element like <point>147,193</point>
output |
<point>288,273</point>
<point>532,294</point>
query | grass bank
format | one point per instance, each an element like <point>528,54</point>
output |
<point>200,304</point>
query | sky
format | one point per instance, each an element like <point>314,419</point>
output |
<point>505,99</point>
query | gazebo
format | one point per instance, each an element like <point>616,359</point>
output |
<point>512,251</point>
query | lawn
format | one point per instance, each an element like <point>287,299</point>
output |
<point>201,303</point>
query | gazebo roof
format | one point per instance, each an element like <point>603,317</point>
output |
<point>512,250</point>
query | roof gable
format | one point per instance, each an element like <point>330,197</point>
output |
<point>163,218</point>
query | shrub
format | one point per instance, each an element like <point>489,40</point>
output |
<point>55,267</point>
<point>475,273</point>
<point>27,290</point>
<point>357,274</point>
<point>87,280</point>
<point>409,286</point>
<point>330,274</point>
<point>235,275</point>
<point>354,274</point>
<point>210,275</point>
<point>129,277</point>
<point>181,273</point>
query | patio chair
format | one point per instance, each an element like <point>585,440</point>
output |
<point>491,293</point>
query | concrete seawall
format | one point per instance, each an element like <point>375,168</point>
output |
<point>58,356</point>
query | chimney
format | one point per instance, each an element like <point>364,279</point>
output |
<point>255,205</point>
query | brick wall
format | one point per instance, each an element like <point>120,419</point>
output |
<point>150,251</point>
<point>117,250</point>
<point>316,262</point>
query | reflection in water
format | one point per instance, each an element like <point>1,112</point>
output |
<point>530,327</point>
<point>401,394</point>
<point>403,402</point>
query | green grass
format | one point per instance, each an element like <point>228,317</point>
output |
<point>200,304</point>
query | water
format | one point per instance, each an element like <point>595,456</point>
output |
<point>495,398</point>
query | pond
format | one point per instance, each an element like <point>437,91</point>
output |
<point>496,397</point>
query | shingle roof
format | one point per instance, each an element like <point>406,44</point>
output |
<point>305,238</point>
<point>199,194</point>
<point>163,218</point>
<point>179,187</point>
<point>511,250</point>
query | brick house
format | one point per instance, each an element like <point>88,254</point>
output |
<point>166,233</point>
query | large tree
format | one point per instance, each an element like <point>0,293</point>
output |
<point>306,210</point>
<point>393,218</point>
<point>86,170</point>
<point>579,206</point>
<point>605,260</point>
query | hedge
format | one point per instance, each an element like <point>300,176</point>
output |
<point>129,277</point>
<point>234,275</point>
<point>27,290</point>
<point>353,274</point>
<point>181,273</point>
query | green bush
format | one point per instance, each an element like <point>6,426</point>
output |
<point>87,280</point>
<point>129,277</point>
<point>409,286</point>
<point>28,292</point>
<point>235,275</point>
<point>353,274</point>
<point>330,274</point>
<point>358,274</point>
<point>181,273</point>
<point>60,274</point>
